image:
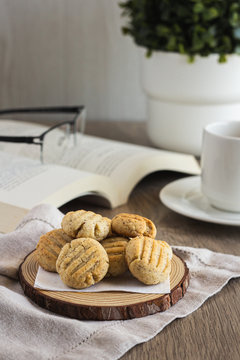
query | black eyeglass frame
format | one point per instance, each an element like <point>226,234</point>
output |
<point>39,139</point>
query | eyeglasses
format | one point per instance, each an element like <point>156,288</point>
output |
<point>54,141</point>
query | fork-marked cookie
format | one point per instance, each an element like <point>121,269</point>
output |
<point>86,224</point>
<point>82,263</point>
<point>132,225</point>
<point>149,260</point>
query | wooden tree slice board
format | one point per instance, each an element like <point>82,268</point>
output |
<point>104,305</point>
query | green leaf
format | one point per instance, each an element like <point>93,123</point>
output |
<point>222,58</point>
<point>210,14</point>
<point>191,59</point>
<point>126,30</point>
<point>163,30</point>
<point>181,48</point>
<point>148,53</point>
<point>234,19</point>
<point>198,8</point>
<point>171,44</point>
<point>227,43</point>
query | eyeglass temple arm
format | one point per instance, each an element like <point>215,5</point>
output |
<point>21,139</point>
<point>55,109</point>
<point>39,139</point>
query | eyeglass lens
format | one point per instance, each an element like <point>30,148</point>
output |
<point>61,139</point>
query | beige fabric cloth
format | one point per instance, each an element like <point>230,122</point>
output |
<point>30,332</point>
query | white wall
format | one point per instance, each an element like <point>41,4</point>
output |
<point>55,52</point>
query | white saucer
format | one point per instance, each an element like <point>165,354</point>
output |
<point>184,197</point>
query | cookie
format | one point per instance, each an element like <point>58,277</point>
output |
<point>49,247</point>
<point>82,263</point>
<point>115,248</point>
<point>149,260</point>
<point>86,224</point>
<point>131,225</point>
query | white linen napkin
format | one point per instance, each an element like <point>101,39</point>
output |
<point>35,333</point>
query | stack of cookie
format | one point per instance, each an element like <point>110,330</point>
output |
<point>90,247</point>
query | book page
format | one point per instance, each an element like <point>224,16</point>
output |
<point>97,155</point>
<point>16,171</point>
<point>112,158</point>
<point>100,156</point>
<point>125,164</point>
<point>25,183</point>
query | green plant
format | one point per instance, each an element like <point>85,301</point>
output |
<point>188,27</point>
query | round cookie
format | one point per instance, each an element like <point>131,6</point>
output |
<point>132,225</point>
<point>115,248</point>
<point>149,260</point>
<point>49,247</point>
<point>82,263</point>
<point>86,224</point>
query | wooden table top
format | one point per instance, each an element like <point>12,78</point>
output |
<point>213,331</point>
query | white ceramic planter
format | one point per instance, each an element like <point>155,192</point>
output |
<point>183,97</point>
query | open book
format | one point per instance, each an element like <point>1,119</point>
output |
<point>99,166</point>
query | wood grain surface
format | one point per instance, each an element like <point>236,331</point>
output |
<point>104,306</point>
<point>213,331</point>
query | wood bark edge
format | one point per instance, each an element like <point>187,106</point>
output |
<point>121,312</point>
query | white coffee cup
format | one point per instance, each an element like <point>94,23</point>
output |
<point>220,162</point>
